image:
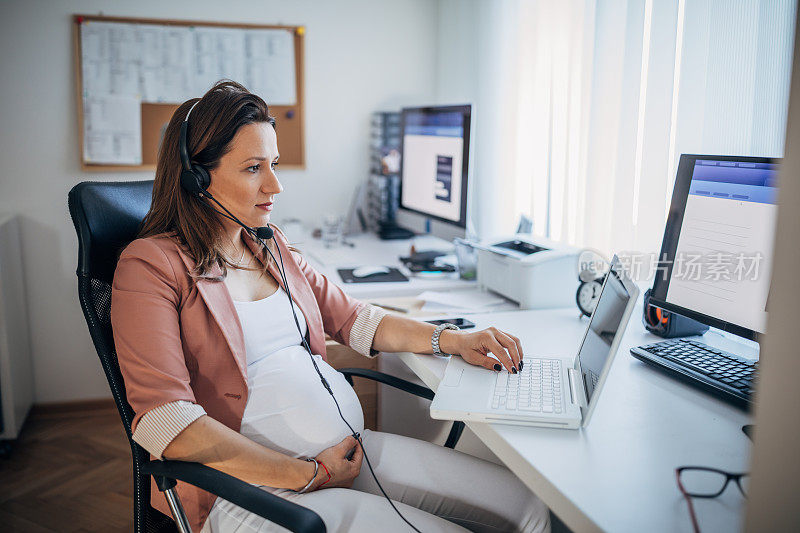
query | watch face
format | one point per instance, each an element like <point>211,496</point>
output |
<point>588,294</point>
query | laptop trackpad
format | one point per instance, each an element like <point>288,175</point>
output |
<point>453,378</point>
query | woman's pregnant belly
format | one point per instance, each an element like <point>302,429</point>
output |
<point>290,411</point>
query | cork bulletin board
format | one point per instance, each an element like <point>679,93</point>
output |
<point>132,74</point>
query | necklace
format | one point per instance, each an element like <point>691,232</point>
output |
<point>241,259</point>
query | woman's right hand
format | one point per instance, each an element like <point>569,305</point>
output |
<point>342,471</point>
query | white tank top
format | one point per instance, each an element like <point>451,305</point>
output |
<point>288,409</point>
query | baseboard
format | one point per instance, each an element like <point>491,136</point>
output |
<point>74,408</point>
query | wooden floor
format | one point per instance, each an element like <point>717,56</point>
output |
<point>69,471</point>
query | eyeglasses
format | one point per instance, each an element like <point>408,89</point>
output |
<point>705,482</point>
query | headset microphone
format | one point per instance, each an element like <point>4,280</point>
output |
<point>264,232</point>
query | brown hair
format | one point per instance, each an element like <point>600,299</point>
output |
<point>216,118</point>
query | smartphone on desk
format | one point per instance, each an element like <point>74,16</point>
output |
<point>462,323</point>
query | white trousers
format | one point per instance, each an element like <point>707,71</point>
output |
<point>435,488</point>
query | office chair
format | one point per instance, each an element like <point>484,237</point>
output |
<point>107,217</point>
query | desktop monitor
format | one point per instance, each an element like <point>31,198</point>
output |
<point>435,161</point>
<point>716,258</point>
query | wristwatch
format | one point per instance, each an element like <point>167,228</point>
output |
<point>437,333</point>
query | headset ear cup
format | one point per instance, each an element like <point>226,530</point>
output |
<point>203,177</point>
<point>652,316</point>
<point>191,183</point>
<point>647,314</point>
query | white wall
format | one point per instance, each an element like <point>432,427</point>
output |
<point>361,56</point>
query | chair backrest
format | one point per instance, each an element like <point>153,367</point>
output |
<point>107,217</point>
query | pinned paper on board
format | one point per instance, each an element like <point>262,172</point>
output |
<point>469,301</point>
<point>112,129</point>
<point>270,65</point>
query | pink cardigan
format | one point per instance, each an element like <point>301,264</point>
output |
<point>179,341</point>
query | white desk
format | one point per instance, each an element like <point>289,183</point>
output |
<point>368,249</point>
<point>618,473</point>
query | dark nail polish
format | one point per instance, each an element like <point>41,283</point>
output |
<point>520,365</point>
<point>498,367</point>
<point>513,370</point>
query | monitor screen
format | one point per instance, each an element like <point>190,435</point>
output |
<point>715,262</point>
<point>603,327</point>
<point>435,160</point>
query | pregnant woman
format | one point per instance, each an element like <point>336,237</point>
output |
<point>220,326</point>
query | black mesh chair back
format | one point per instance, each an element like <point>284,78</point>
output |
<point>107,217</point>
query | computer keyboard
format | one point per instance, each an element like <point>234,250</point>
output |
<point>536,388</point>
<point>727,375</point>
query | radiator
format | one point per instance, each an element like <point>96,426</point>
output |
<point>16,368</point>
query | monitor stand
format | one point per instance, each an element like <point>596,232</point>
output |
<point>731,343</point>
<point>391,231</point>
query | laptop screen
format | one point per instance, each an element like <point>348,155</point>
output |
<point>603,327</point>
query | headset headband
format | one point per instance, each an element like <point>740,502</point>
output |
<point>184,141</point>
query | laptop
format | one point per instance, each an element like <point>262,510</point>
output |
<point>559,391</point>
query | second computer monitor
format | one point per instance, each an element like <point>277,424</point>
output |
<point>716,257</point>
<point>435,161</point>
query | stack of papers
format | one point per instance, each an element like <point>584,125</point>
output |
<point>429,243</point>
<point>464,302</point>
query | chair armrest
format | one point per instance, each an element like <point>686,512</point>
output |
<point>402,384</point>
<point>397,383</point>
<point>275,509</point>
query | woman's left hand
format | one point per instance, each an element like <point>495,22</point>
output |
<point>475,347</point>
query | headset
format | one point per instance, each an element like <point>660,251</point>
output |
<point>667,324</point>
<point>195,180</point>
<point>655,318</point>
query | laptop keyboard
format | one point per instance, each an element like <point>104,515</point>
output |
<point>537,388</point>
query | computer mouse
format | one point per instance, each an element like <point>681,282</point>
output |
<point>369,270</point>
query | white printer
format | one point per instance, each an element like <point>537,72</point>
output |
<point>533,271</point>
